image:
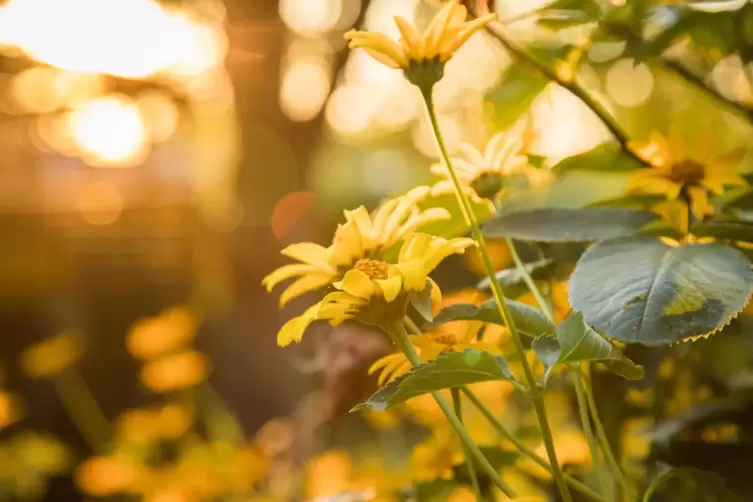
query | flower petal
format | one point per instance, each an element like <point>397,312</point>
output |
<point>357,284</point>
<point>390,287</point>
<point>414,273</point>
<point>308,252</point>
<point>303,285</point>
<point>287,271</point>
<point>293,330</point>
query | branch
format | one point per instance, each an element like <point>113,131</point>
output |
<point>520,53</point>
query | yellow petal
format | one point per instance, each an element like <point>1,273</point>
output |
<point>428,216</point>
<point>414,274</point>
<point>436,27</point>
<point>411,37</point>
<point>415,246</point>
<point>676,144</point>
<point>308,252</point>
<point>293,330</point>
<point>357,284</point>
<point>303,285</point>
<point>287,271</point>
<point>699,201</point>
<point>383,58</point>
<point>390,287</point>
<point>468,30</point>
<point>436,296</point>
<point>382,216</point>
<point>360,216</point>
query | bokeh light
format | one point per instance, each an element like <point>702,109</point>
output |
<point>310,17</point>
<point>305,88</point>
<point>109,131</point>
<point>629,83</point>
<point>100,203</point>
<point>289,211</point>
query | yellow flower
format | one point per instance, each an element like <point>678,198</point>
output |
<point>370,289</point>
<point>422,55</point>
<point>436,456</point>
<point>11,409</point>
<point>677,173</point>
<point>363,235</point>
<point>155,336</point>
<point>484,172</point>
<point>102,476</point>
<point>142,425</point>
<point>52,356</point>
<point>176,371</point>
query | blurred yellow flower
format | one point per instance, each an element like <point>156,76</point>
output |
<point>50,357</point>
<point>422,53</point>
<point>11,409</point>
<point>362,235</point>
<point>154,336</point>
<point>676,172</point>
<point>176,371</point>
<point>328,474</point>
<point>142,425</point>
<point>484,172</point>
<point>436,456</point>
<point>102,476</point>
<point>371,288</point>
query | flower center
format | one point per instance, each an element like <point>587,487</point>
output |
<point>446,339</point>
<point>487,185</point>
<point>687,172</point>
<point>375,269</point>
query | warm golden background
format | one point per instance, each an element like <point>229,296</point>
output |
<point>156,156</point>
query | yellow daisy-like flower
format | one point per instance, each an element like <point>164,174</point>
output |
<point>676,173</point>
<point>375,291</point>
<point>52,356</point>
<point>422,55</point>
<point>363,235</point>
<point>484,172</point>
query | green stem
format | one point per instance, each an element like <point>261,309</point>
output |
<point>83,409</point>
<point>524,449</point>
<point>658,481</point>
<point>545,306</point>
<point>456,403</point>
<point>601,473</point>
<point>614,466</point>
<point>400,337</point>
<point>534,391</point>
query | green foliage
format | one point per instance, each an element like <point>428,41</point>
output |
<point>512,278</point>
<point>568,225</point>
<point>605,157</point>
<point>520,86</point>
<point>692,485</point>
<point>574,341</point>
<point>452,369</point>
<point>732,230</point>
<point>530,321</point>
<point>640,290</point>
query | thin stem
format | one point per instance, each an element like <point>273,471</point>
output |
<point>533,388</point>
<point>545,307</point>
<point>524,449</point>
<point>658,481</point>
<point>601,473</point>
<point>402,341</point>
<point>614,466</point>
<point>83,409</point>
<point>456,403</point>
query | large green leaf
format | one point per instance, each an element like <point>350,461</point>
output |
<point>732,230</point>
<point>453,369</point>
<point>640,290</point>
<point>575,341</point>
<point>530,321</point>
<point>511,277</point>
<point>568,225</point>
<point>604,157</point>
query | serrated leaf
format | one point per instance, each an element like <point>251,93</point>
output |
<point>694,485</point>
<point>732,230</point>
<point>449,370</point>
<point>641,290</point>
<point>511,277</point>
<point>604,157</point>
<point>568,225</point>
<point>530,321</point>
<point>575,341</point>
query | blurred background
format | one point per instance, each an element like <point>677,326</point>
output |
<point>155,156</point>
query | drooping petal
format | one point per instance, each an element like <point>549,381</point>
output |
<point>303,285</point>
<point>357,284</point>
<point>293,330</point>
<point>414,274</point>
<point>308,252</point>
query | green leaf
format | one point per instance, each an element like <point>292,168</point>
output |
<point>530,321</point>
<point>661,228</point>
<point>604,157</point>
<point>640,290</point>
<point>575,341</point>
<point>421,301</point>
<point>511,277</point>
<point>452,369</point>
<point>519,87</point>
<point>568,225</point>
<point>692,485</point>
<point>732,230</point>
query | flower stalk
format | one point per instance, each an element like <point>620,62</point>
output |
<point>457,404</point>
<point>400,337</point>
<point>533,390</point>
